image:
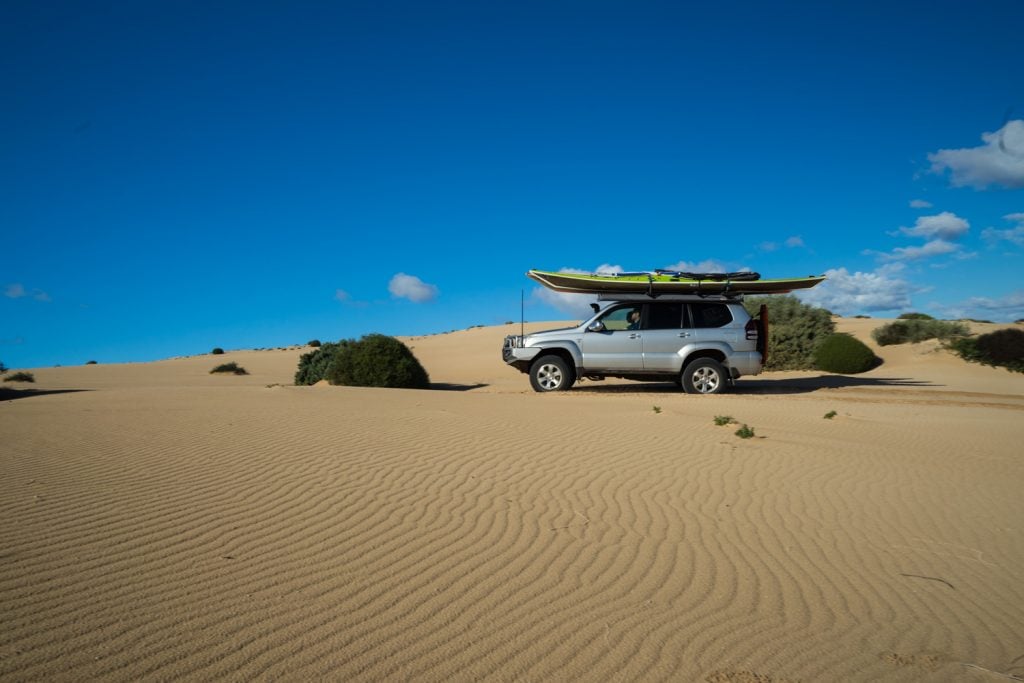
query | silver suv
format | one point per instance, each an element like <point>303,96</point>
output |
<point>702,343</point>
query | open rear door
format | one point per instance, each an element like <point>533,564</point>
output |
<point>762,333</point>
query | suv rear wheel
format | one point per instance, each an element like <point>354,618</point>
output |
<point>551,373</point>
<point>704,376</point>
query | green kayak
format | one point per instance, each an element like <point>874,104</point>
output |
<point>669,282</point>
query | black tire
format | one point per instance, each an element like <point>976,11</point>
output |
<point>551,373</point>
<point>704,376</point>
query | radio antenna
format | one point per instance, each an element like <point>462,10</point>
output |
<point>522,312</point>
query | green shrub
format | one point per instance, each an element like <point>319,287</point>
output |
<point>313,365</point>
<point>3,368</point>
<point>915,316</point>
<point>830,414</point>
<point>20,377</point>
<point>229,368</point>
<point>844,354</point>
<point>794,331</point>
<point>313,342</point>
<point>1004,348</point>
<point>914,330</point>
<point>722,420</point>
<point>377,360</point>
<point>90,362</point>
<point>745,432</point>
<point>217,351</point>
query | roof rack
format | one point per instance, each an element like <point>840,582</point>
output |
<point>690,296</point>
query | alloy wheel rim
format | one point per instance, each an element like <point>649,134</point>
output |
<point>705,380</point>
<point>549,377</point>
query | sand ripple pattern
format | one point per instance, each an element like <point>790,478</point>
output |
<point>301,534</point>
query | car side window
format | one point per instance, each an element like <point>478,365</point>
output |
<point>619,318</point>
<point>664,316</point>
<point>710,315</point>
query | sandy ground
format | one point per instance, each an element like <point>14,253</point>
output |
<point>160,523</point>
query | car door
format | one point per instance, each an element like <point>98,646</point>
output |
<point>711,321</point>
<point>615,346</point>
<point>663,336</point>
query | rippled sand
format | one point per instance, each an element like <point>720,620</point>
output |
<point>161,523</point>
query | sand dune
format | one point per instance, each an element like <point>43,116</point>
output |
<point>162,523</point>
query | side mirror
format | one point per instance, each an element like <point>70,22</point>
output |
<point>596,326</point>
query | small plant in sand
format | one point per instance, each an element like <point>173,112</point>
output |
<point>745,432</point>
<point>657,410</point>
<point>313,342</point>
<point>830,414</point>
<point>915,316</point>
<point>20,377</point>
<point>722,420</point>
<point>217,351</point>
<point>229,369</point>
<point>90,362</point>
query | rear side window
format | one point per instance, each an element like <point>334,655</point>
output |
<point>664,316</point>
<point>710,315</point>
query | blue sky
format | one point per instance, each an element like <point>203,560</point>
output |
<point>179,176</point>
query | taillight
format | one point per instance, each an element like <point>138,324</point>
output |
<point>751,330</point>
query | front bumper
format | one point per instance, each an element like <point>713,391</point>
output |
<point>515,354</point>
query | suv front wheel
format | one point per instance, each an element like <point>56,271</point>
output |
<point>704,376</point>
<point>551,373</point>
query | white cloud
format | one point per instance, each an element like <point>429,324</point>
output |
<point>412,288</point>
<point>574,305</point>
<point>16,290</point>
<point>342,296</point>
<point>795,241</point>
<point>705,266</point>
<point>768,246</point>
<point>1006,308</point>
<point>1014,235</point>
<point>1000,161</point>
<point>930,249</point>
<point>920,204</point>
<point>850,293</point>
<point>945,225</point>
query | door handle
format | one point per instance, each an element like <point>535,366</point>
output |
<point>684,334</point>
<point>634,336</point>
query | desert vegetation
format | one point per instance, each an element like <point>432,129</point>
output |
<point>375,360</point>
<point>745,432</point>
<point>844,354</point>
<point>217,351</point>
<point>1002,348</point>
<point>313,365</point>
<point>906,330</point>
<point>795,330</point>
<point>20,377</point>
<point>313,343</point>
<point>229,369</point>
